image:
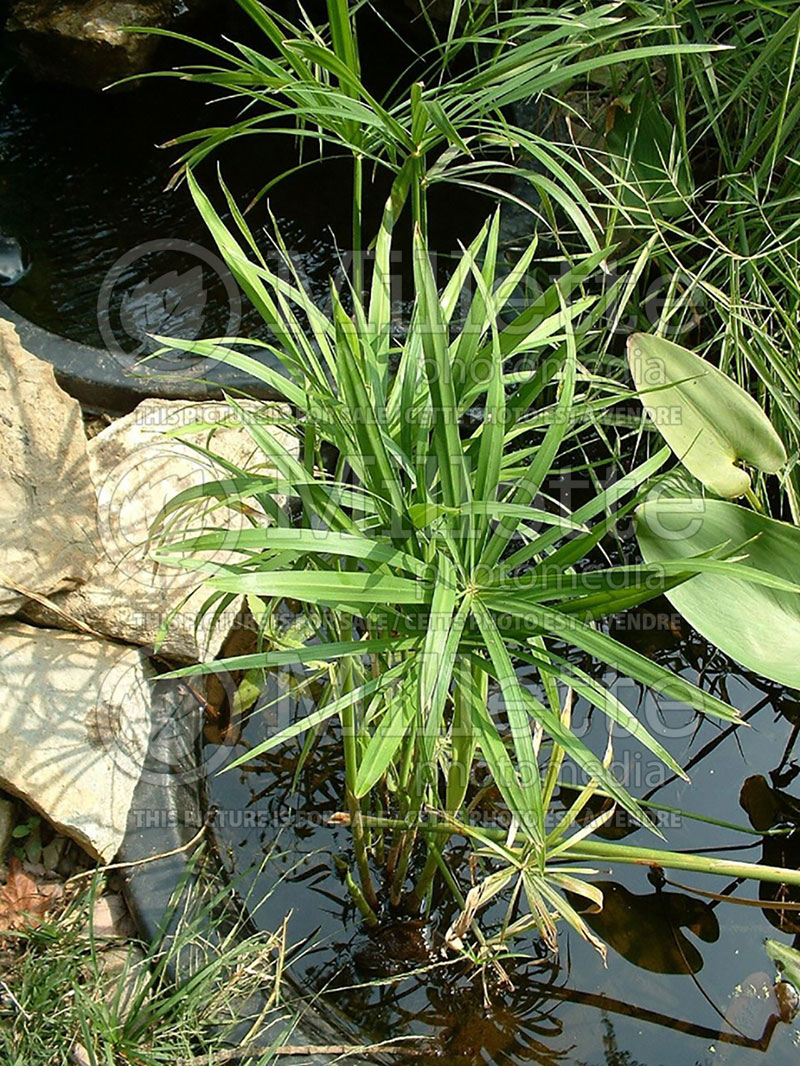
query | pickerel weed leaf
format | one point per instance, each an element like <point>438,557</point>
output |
<point>711,424</point>
<point>757,625</point>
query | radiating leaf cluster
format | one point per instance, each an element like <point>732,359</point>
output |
<point>425,542</point>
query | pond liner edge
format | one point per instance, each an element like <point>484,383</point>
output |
<point>97,379</point>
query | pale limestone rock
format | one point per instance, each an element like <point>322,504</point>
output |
<point>137,471</point>
<point>75,717</point>
<point>47,498</point>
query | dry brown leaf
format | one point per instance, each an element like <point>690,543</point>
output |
<point>23,902</point>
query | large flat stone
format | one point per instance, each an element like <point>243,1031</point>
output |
<point>137,470</point>
<point>75,717</point>
<point>47,498</point>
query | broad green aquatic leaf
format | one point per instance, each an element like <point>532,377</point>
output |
<point>641,143</point>
<point>710,423</point>
<point>756,625</point>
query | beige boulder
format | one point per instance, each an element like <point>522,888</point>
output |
<point>137,470</point>
<point>75,717</point>
<point>47,498</point>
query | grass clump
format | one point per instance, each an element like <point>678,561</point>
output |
<point>702,156</point>
<point>70,994</point>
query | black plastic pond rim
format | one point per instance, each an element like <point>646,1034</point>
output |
<point>98,380</point>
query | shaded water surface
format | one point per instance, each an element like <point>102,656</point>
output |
<point>687,980</point>
<point>110,251</point>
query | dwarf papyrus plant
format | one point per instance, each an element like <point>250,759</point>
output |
<point>427,549</point>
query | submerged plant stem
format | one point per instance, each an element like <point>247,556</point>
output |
<point>348,719</point>
<point>358,897</point>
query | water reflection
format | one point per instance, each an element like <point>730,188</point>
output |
<point>768,809</point>
<point>92,162</point>
<point>469,1017</point>
<point>646,929</point>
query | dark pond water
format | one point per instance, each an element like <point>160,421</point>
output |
<point>631,1013</point>
<point>112,254</point>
